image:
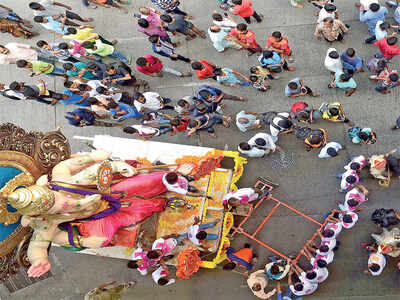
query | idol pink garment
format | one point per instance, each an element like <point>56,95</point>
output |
<point>107,227</point>
<point>146,186</point>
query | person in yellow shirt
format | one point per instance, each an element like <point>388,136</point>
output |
<point>84,33</point>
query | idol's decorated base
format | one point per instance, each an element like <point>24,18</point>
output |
<point>176,219</point>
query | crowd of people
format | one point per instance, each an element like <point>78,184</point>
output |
<point>102,82</point>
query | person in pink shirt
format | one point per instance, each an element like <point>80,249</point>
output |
<point>243,8</point>
<point>152,66</point>
<point>141,262</point>
<point>10,53</point>
<point>243,197</point>
<point>148,29</point>
<point>388,48</point>
<point>76,50</point>
<point>354,198</point>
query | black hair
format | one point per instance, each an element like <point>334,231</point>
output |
<point>298,286</point>
<point>91,100</point>
<point>229,266</point>
<point>82,87</point>
<point>175,122</point>
<point>71,30</point>
<point>277,34</point>
<point>241,27</point>
<point>347,219</point>
<point>171,177</point>
<point>197,65</point>
<point>162,281</point>
<point>274,269</point>
<point>154,38</point>
<point>21,63</point>
<point>350,52</point>
<point>268,54</point>
<point>205,94</point>
<point>293,85</point>
<point>286,124</point>
<point>345,77</point>
<point>68,66</point>
<point>393,77</point>
<point>333,54</point>
<point>351,179</point>
<point>38,19</point>
<point>217,17</point>
<point>311,275</point>
<point>14,85</point>
<point>34,5</point>
<point>130,130</point>
<point>253,78</point>
<point>384,26</point>
<point>91,65</point>
<point>392,40</point>
<point>181,102</point>
<point>143,23</point>
<point>331,152</point>
<point>201,235</point>
<point>132,264</point>
<point>260,142</point>
<point>328,233</point>
<point>363,135</point>
<point>166,18</point>
<point>141,61</point>
<point>330,7</point>
<point>324,248</point>
<point>355,166</point>
<point>374,7</point>
<point>353,202</point>
<point>101,89</point>
<point>152,254</point>
<point>88,45</point>
<point>63,46</point>
<point>253,69</point>
<point>41,43</point>
<point>244,146</point>
<point>30,92</point>
<point>246,245</point>
<point>321,263</point>
<point>374,267</point>
<point>237,2</point>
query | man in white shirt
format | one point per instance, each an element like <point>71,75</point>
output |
<point>196,233</point>
<point>302,288</point>
<point>151,101</point>
<point>226,22</point>
<point>332,61</point>
<point>259,145</point>
<point>161,276</point>
<point>281,122</point>
<point>376,262</point>
<point>366,3</point>
<point>328,11</point>
<point>330,150</point>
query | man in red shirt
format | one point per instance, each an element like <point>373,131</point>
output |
<point>204,69</point>
<point>152,66</point>
<point>388,48</point>
<point>246,38</point>
<point>279,44</point>
<point>243,8</point>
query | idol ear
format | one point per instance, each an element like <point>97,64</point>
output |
<point>6,216</point>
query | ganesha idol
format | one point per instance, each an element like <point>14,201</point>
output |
<point>64,208</point>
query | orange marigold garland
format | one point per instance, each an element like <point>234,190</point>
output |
<point>188,262</point>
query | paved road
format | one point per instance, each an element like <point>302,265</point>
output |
<point>309,185</point>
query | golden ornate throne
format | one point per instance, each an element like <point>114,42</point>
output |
<point>25,153</point>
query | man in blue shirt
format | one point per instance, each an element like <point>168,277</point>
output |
<point>351,61</point>
<point>371,16</point>
<point>271,60</point>
<point>122,111</point>
<point>55,24</point>
<point>81,117</point>
<point>343,81</point>
<point>211,94</point>
<point>163,48</point>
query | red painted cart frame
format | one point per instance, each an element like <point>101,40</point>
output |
<point>263,184</point>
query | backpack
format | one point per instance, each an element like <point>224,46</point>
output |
<point>353,132</point>
<point>303,132</point>
<point>384,217</point>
